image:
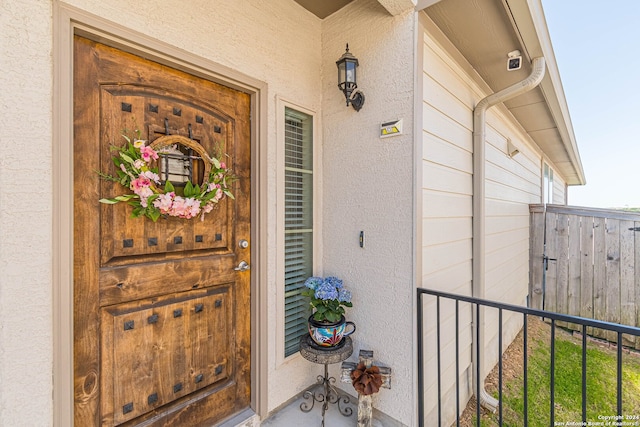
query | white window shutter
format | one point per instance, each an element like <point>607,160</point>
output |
<point>298,251</point>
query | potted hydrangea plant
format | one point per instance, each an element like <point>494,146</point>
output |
<point>328,298</point>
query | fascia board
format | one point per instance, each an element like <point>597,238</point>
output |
<point>423,4</point>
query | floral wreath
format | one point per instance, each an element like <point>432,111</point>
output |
<point>138,172</point>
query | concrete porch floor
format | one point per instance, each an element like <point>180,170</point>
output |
<point>291,416</point>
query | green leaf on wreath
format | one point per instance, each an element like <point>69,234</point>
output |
<point>126,158</point>
<point>117,199</point>
<point>108,201</point>
<point>188,189</point>
<point>153,213</point>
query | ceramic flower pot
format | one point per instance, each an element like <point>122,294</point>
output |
<point>327,334</point>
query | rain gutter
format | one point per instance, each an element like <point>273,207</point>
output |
<point>479,216</point>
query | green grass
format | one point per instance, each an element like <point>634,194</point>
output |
<point>601,384</point>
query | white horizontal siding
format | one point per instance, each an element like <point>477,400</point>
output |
<point>447,153</point>
<point>446,128</point>
<point>438,65</point>
<point>446,230</point>
<point>559,190</point>
<point>441,99</point>
<point>502,208</point>
<point>443,256</point>
<point>439,204</point>
<point>446,179</point>
<point>447,189</point>
<point>511,184</point>
<point>446,172</point>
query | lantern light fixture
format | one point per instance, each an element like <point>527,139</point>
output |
<point>347,81</point>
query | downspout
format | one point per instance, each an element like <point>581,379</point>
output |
<point>479,159</point>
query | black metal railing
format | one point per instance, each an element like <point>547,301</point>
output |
<point>422,328</point>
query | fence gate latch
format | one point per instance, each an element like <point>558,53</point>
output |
<point>545,261</point>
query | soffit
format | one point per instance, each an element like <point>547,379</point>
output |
<point>484,31</point>
<point>323,8</point>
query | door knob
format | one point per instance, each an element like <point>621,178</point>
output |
<point>243,266</point>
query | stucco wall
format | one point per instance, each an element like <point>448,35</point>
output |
<point>25,214</point>
<point>367,186</point>
<point>265,44</point>
<point>368,181</point>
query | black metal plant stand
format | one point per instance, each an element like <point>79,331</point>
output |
<point>324,391</point>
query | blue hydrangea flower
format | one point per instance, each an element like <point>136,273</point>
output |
<point>334,281</point>
<point>326,291</point>
<point>313,282</point>
<point>344,295</point>
<point>328,298</point>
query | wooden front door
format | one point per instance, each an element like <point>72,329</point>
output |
<point>161,316</point>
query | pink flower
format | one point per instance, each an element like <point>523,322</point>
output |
<point>144,195</point>
<point>138,164</point>
<point>140,183</point>
<point>208,207</point>
<point>223,165</point>
<point>170,204</point>
<point>148,153</point>
<point>152,176</point>
<point>192,208</point>
<point>178,207</point>
<point>144,192</point>
<point>164,202</point>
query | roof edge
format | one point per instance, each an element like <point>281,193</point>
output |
<point>530,24</point>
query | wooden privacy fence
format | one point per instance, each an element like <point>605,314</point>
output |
<point>586,262</point>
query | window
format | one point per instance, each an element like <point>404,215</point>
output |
<point>298,223</point>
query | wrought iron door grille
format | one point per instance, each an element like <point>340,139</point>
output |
<point>177,168</point>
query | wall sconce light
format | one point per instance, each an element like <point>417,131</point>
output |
<point>347,81</point>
